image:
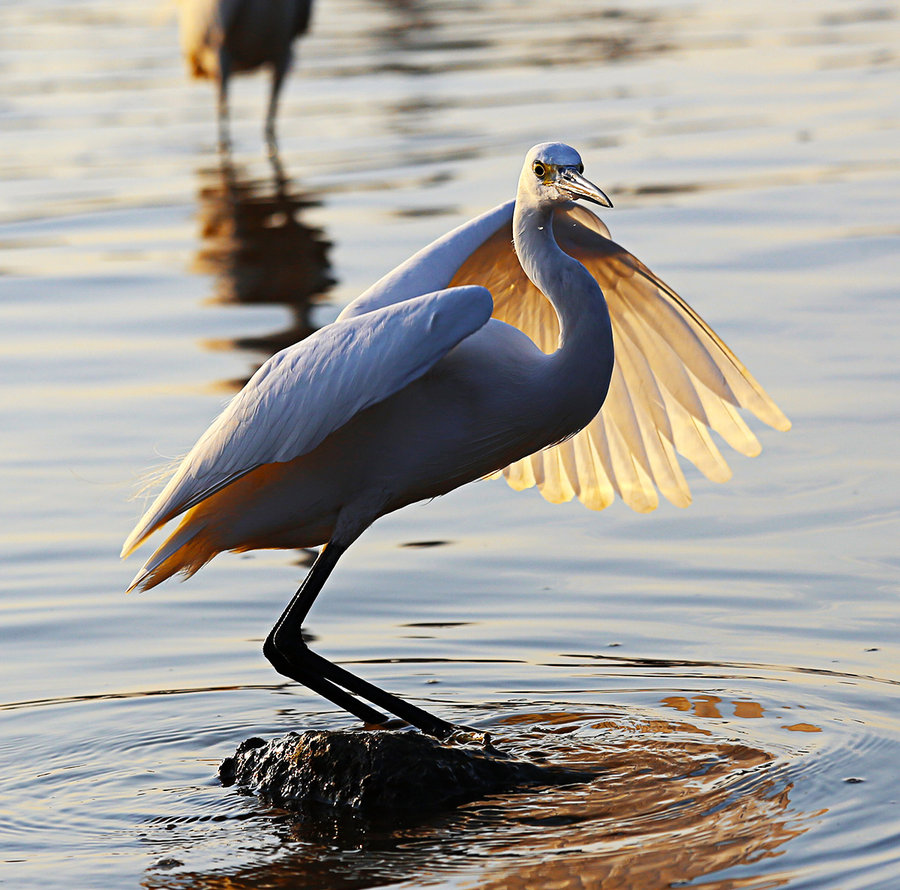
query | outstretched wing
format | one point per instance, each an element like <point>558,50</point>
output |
<point>314,387</point>
<point>674,379</point>
<point>432,267</point>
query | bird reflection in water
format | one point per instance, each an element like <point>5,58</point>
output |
<point>259,252</point>
<point>672,805</point>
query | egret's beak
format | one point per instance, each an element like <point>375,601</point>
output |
<point>578,187</point>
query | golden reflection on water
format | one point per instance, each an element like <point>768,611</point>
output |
<point>671,804</point>
<point>666,811</point>
<point>707,706</point>
<point>258,250</point>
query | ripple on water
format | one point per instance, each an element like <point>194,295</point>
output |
<point>711,771</point>
<point>690,802</point>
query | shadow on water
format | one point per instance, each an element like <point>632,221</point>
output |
<point>259,251</point>
<point>672,804</point>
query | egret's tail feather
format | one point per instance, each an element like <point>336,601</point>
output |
<point>186,550</point>
<point>154,478</point>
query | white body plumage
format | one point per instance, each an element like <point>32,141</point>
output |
<point>469,359</point>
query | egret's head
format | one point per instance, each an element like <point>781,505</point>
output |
<point>552,174</point>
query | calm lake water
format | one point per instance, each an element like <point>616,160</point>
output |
<point>733,668</point>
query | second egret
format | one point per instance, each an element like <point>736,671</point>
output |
<point>223,37</point>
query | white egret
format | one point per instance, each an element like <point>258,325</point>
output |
<point>222,37</point>
<point>416,389</point>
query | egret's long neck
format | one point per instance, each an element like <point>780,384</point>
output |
<point>575,295</point>
<point>584,357</point>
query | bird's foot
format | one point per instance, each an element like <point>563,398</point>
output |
<point>291,657</point>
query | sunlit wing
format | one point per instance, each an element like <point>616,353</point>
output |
<point>314,387</point>
<point>432,267</point>
<point>674,379</point>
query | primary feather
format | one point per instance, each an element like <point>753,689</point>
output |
<point>674,378</point>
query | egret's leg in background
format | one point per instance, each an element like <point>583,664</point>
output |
<point>279,70</point>
<point>290,656</point>
<point>224,74</point>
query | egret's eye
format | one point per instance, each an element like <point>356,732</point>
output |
<point>581,168</point>
<point>539,169</point>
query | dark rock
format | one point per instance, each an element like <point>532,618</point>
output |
<point>381,774</point>
<point>168,862</point>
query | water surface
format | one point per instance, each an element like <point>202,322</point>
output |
<point>733,668</point>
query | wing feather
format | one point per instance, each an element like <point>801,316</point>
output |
<point>520,474</point>
<point>433,267</point>
<point>556,487</point>
<point>595,490</point>
<point>654,428</point>
<point>305,392</point>
<point>569,465</point>
<point>674,379</point>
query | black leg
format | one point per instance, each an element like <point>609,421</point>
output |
<point>222,106</point>
<point>279,69</point>
<point>304,673</point>
<point>290,656</point>
<point>428,723</point>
